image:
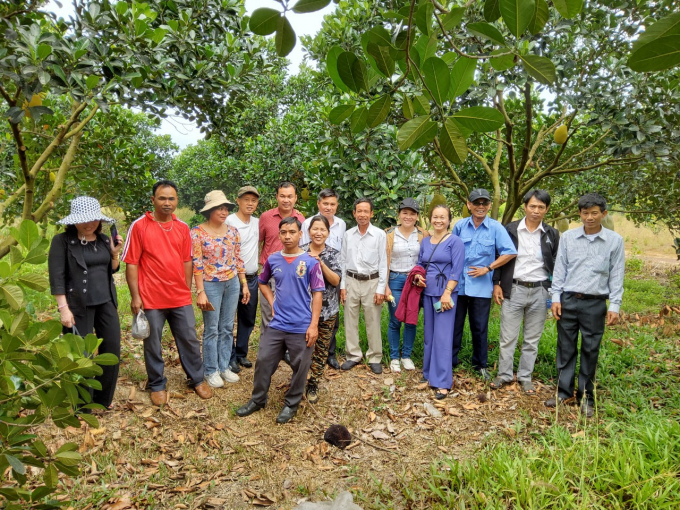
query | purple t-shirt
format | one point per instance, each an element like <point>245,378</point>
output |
<point>295,281</point>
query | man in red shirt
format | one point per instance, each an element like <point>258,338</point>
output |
<point>158,270</point>
<point>286,196</point>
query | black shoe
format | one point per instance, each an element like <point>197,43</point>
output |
<point>286,414</point>
<point>423,380</point>
<point>349,365</point>
<point>440,395</point>
<point>249,409</point>
<point>233,366</point>
<point>551,402</point>
<point>376,368</point>
<point>244,362</point>
<point>312,394</point>
<point>587,409</point>
<point>286,358</point>
<point>484,374</point>
<point>332,362</point>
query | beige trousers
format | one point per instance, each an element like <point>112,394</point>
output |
<point>361,294</point>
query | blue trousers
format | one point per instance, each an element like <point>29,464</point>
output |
<point>218,326</point>
<point>438,330</point>
<point>477,310</point>
<point>396,284</point>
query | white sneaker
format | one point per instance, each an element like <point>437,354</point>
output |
<point>394,366</point>
<point>408,364</point>
<point>214,380</point>
<point>229,376</point>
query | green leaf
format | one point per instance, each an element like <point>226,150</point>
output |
<point>5,269</point>
<point>106,359</point>
<point>16,464</point>
<point>332,67</point>
<point>412,130</point>
<point>19,324</point>
<point>380,36</point>
<point>310,5</point>
<point>360,74</point>
<point>357,122</point>
<point>264,21</point>
<point>340,113</point>
<point>437,77</point>
<point>421,105</point>
<point>539,68</point>
<point>90,419</point>
<point>492,10</point>
<point>14,295</point>
<point>382,60</point>
<point>453,18</point>
<point>51,476</point>
<point>429,134</point>
<point>34,281</point>
<point>285,37</point>
<point>44,51</point>
<point>488,31</point>
<point>379,110</point>
<point>345,63</point>
<point>540,17</point>
<point>462,76</point>
<point>407,108</point>
<point>658,55</point>
<point>35,256</point>
<point>568,8</point>
<point>158,35</point>
<point>479,118</point>
<point>452,142</point>
<point>517,15</point>
<point>424,18</point>
<point>502,63</point>
<point>28,234</point>
<point>69,458</point>
<point>670,25</point>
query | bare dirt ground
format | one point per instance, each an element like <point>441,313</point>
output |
<point>197,454</point>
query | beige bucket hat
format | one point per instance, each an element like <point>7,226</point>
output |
<point>216,198</point>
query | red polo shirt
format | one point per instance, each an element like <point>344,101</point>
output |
<point>160,251</point>
<point>269,232</point>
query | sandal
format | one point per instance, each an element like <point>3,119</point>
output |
<point>528,387</point>
<point>440,394</point>
<point>498,383</point>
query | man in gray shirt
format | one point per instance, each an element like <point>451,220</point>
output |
<point>589,270</point>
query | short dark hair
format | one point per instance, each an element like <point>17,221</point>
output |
<point>362,200</point>
<point>73,230</point>
<point>164,183</point>
<point>289,221</point>
<point>591,200</point>
<point>322,219</point>
<point>440,206</point>
<point>286,184</point>
<point>540,195</point>
<point>328,193</point>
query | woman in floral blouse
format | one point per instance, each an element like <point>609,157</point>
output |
<point>218,269</point>
<point>319,229</point>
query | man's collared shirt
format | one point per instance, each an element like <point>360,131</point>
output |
<point>529,266</point>
<point>250,235</point>
<point>405,251</point>
<point>269,232</point>
<point>594,267</point>
<point>338,229</point>
<point>365,254</point>
<point>481,245</point>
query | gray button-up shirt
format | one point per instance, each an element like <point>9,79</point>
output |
<point>590,267</point>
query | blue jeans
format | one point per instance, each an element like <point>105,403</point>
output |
<point>396,285</point>
<point>218,326</point>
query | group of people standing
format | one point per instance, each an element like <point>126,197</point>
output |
<point>311,266</point>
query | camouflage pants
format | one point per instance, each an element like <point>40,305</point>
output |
<point>321,350</point>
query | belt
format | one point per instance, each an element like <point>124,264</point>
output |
<point>362,277</point>
<point>251,276</point>
<point>579,295</point>
<point>532,285</point>
<point>399,272</point>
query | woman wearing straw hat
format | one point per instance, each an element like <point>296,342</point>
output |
<point>82,261</point>
<point>218,270</point>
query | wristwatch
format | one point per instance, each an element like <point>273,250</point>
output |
<point>198,292</point>
<point>489,268</point>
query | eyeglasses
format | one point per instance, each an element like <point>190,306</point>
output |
<point>481,202</point>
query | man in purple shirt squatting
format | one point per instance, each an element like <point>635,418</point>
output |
<point>299,281</point>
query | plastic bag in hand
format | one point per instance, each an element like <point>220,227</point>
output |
<point>140,326</point>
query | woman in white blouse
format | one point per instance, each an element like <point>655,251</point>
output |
<point>403,246</point>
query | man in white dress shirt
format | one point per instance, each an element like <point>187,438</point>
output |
<point>522,288</point>
<point>327,203</point>
<point>364,277</point>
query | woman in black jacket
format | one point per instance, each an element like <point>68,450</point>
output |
<point>82,261</point>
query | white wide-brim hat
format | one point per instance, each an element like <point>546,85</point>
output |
<point>216,198</point>
<point>84,210</point>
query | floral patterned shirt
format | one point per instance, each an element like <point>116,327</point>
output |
<point>217,258</point>
<point>331,304</point>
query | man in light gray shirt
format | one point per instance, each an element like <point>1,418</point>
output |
<point>589,270</point>
<point>364,277</point>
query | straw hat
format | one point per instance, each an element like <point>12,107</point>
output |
<point>216,198</point>
<point>84,210</point>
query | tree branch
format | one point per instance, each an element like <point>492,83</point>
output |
<point>456,48</point>
<point>483,161</point>
<point>618,161</point>
<point>528,111</point>
<point>82,125</point>
<point>4,94</point>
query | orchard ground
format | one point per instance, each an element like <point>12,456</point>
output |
<point>488,449</point>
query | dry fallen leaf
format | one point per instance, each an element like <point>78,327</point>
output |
<point>422,386</point>
<point>379,434</point>
<point>580,433</point>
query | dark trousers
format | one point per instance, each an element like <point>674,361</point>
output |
<point>246,319</point>
<point>102,320</point>
<point>273,344</point>
<point>331,345</point>
<point>183,327</point>
<point>326,329</point>
<point>477,310</point>
<point>587,316</point>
